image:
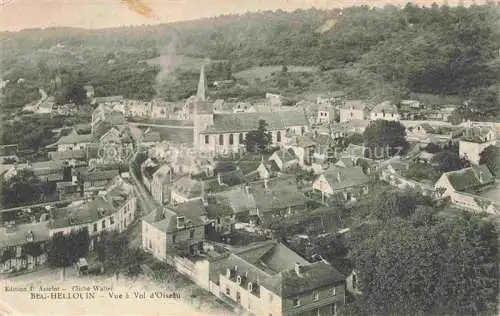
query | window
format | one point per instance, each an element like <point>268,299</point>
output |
<point>296,302</point>
<point>95,227</point>
<point>354,281</point>
<point>270,297</point>
<point>221,140</point>
<point>238,297</point>
<point>333,309</point>
<point>228,291</point>
<point>150,245</point>
<point>241,138</point>
<point>207,139</point>
<point>103,224</point>
<point>111,220</point>
<point>316,296</point>
<point>278,136</point>
<point>333,291</point>
<point>317,312</point>
<point>191,233</point>
<point>231,139</point>
<point>173,238</point>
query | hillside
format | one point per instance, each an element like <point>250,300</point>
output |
<point>370,51</point>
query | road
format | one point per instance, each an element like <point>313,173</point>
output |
<point>43,204</point>
<point>161,125</point>
<point>146,201</point>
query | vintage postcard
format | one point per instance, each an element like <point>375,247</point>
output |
<point>248,157</point>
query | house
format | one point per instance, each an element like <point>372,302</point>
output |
<point>410,104</point>
<point>21,246</point>
<point>275,198</point>
<point>162,178</point>
<point>104,118</point>
<point>472,188</point>
<point>283,160</point>
<point>346,182</point>
<point>231,206</point>
<point>385,111</point>
<point>72,141</point>
<point>166,233</point>
<point>476,139</point>
<point>393,172</point>
<point>270,279</point>
<point>187,189</point>
<point>68,155</point>
<point>353,110</point>
<point>107,100</point>
<point>94,179</point>
<point>114,210</point>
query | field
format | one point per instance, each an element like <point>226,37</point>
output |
<point>181,62</point>
<point>266,71</point>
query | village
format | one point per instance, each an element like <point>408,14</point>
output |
<point>205,187</point>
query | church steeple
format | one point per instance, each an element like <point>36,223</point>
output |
<point>201,93</point>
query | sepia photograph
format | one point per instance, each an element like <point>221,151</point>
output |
<point>249,157</point>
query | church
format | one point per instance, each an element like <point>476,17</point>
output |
<point>225,132</point>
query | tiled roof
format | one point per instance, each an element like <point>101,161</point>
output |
<point>18,235</point>
<point>191,209</point>
<point>237,200</point>
<point>349,177</point>
<point>188,188</point>
<point>313,276</point>
<point>165,222</point>
<point>70,154</point>
<point>74,138</point>
<point>246,122</point>
<point>279,195</point>
<point>84,214</point>
<point>469,178</point>
<point>99,175</point>
<point>115,98</point>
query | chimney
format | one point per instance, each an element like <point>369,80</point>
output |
<point>481,176</point>
<point>219,179</point>
<point>247,189</point>
<point>339,176</point>
<point>266,184</point>
<point>298,269</point>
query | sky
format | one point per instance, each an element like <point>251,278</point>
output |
<point>19,14</point>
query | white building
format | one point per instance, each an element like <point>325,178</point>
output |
<point>475,141</point>
<point>354,110</point>
<point>385,111</point>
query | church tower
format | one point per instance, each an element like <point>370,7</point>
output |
<point>201,92</point>
<point>203,111</point>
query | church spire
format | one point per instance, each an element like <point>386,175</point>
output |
<point>201,93</point>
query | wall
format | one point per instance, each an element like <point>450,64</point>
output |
<point>70,147</point>
<point>248,301</point>
<point>472,150</point>
<point>154,241</point>
<point>308,304</point>
<point>386,116</point>
<point>121,220</point>
<point>183,235</point>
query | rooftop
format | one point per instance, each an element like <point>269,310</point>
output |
<point>470,178</point>
<point>246,122</point>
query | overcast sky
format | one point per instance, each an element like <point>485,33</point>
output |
<point>19,14</point>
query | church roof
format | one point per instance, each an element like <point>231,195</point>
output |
<point>246,122</point>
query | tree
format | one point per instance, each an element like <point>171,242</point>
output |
<point>393,203</point>
<point>491,158</point>
<point>444,267</point>
<point>64,250</point>
<point>8,254</point>
<point>23,188</point>
<point>259,140</point>
<point>448,161</point>
<point>33,249</point>
<point>385,139</point>
<point>112,250</point>
<point>284,68</point>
